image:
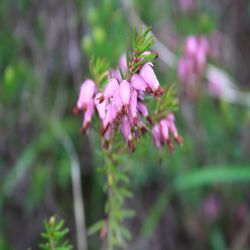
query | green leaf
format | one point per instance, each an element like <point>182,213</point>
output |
<point>212,175</point>
<point>96,227</point>
<point>146,31</point>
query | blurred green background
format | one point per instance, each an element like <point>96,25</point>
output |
<point>195,198</point>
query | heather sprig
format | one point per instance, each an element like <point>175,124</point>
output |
<point>54,236</point>
<point>121,97</point>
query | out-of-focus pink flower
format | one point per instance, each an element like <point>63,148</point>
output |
<point>156,133</point>
<point>150,78</point>
<point>241,212</point>
<point>183,69</point>
<point>191,46</point>
<point>124,90</point>
<point>164,126</point>
<point>87,91</point>
<point>187,72</point>
<point>193,63</point>
<point>215,43</point>
<point>172,128</point>
<point>187,5</point>
<point>204,44</point>
<point>161,132</point>
<point>201,60</point>
<point>215,88</point>
<point>211,207</point>
<point>144,111</point>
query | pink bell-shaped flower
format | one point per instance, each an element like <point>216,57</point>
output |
<point>144,111</point>
<point>150,78</point>
<point>156,133</point>
<point>109,90</point>
<point>164,125</point>
<point>126,131</point>
<point>110,118</point>
<point>133,105</point>
<point>87,91</point>
<point>87,116</point>
<point>172,128</point>
<point>138,82</point>
<point>101,107</point>
<point>124,90</point>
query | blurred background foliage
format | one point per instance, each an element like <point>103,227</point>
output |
<point>195,198</point>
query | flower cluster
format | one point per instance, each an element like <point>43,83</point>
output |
<point>193,63</point>
<point>162,130</point>
<point>121,103</point>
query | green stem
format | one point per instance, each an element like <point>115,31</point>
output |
<point>110,201</point>
<point>52,241</point>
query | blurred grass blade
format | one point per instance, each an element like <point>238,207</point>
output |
<point>209,175</point>
<point>25,161</point>
<point>195,179</point>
